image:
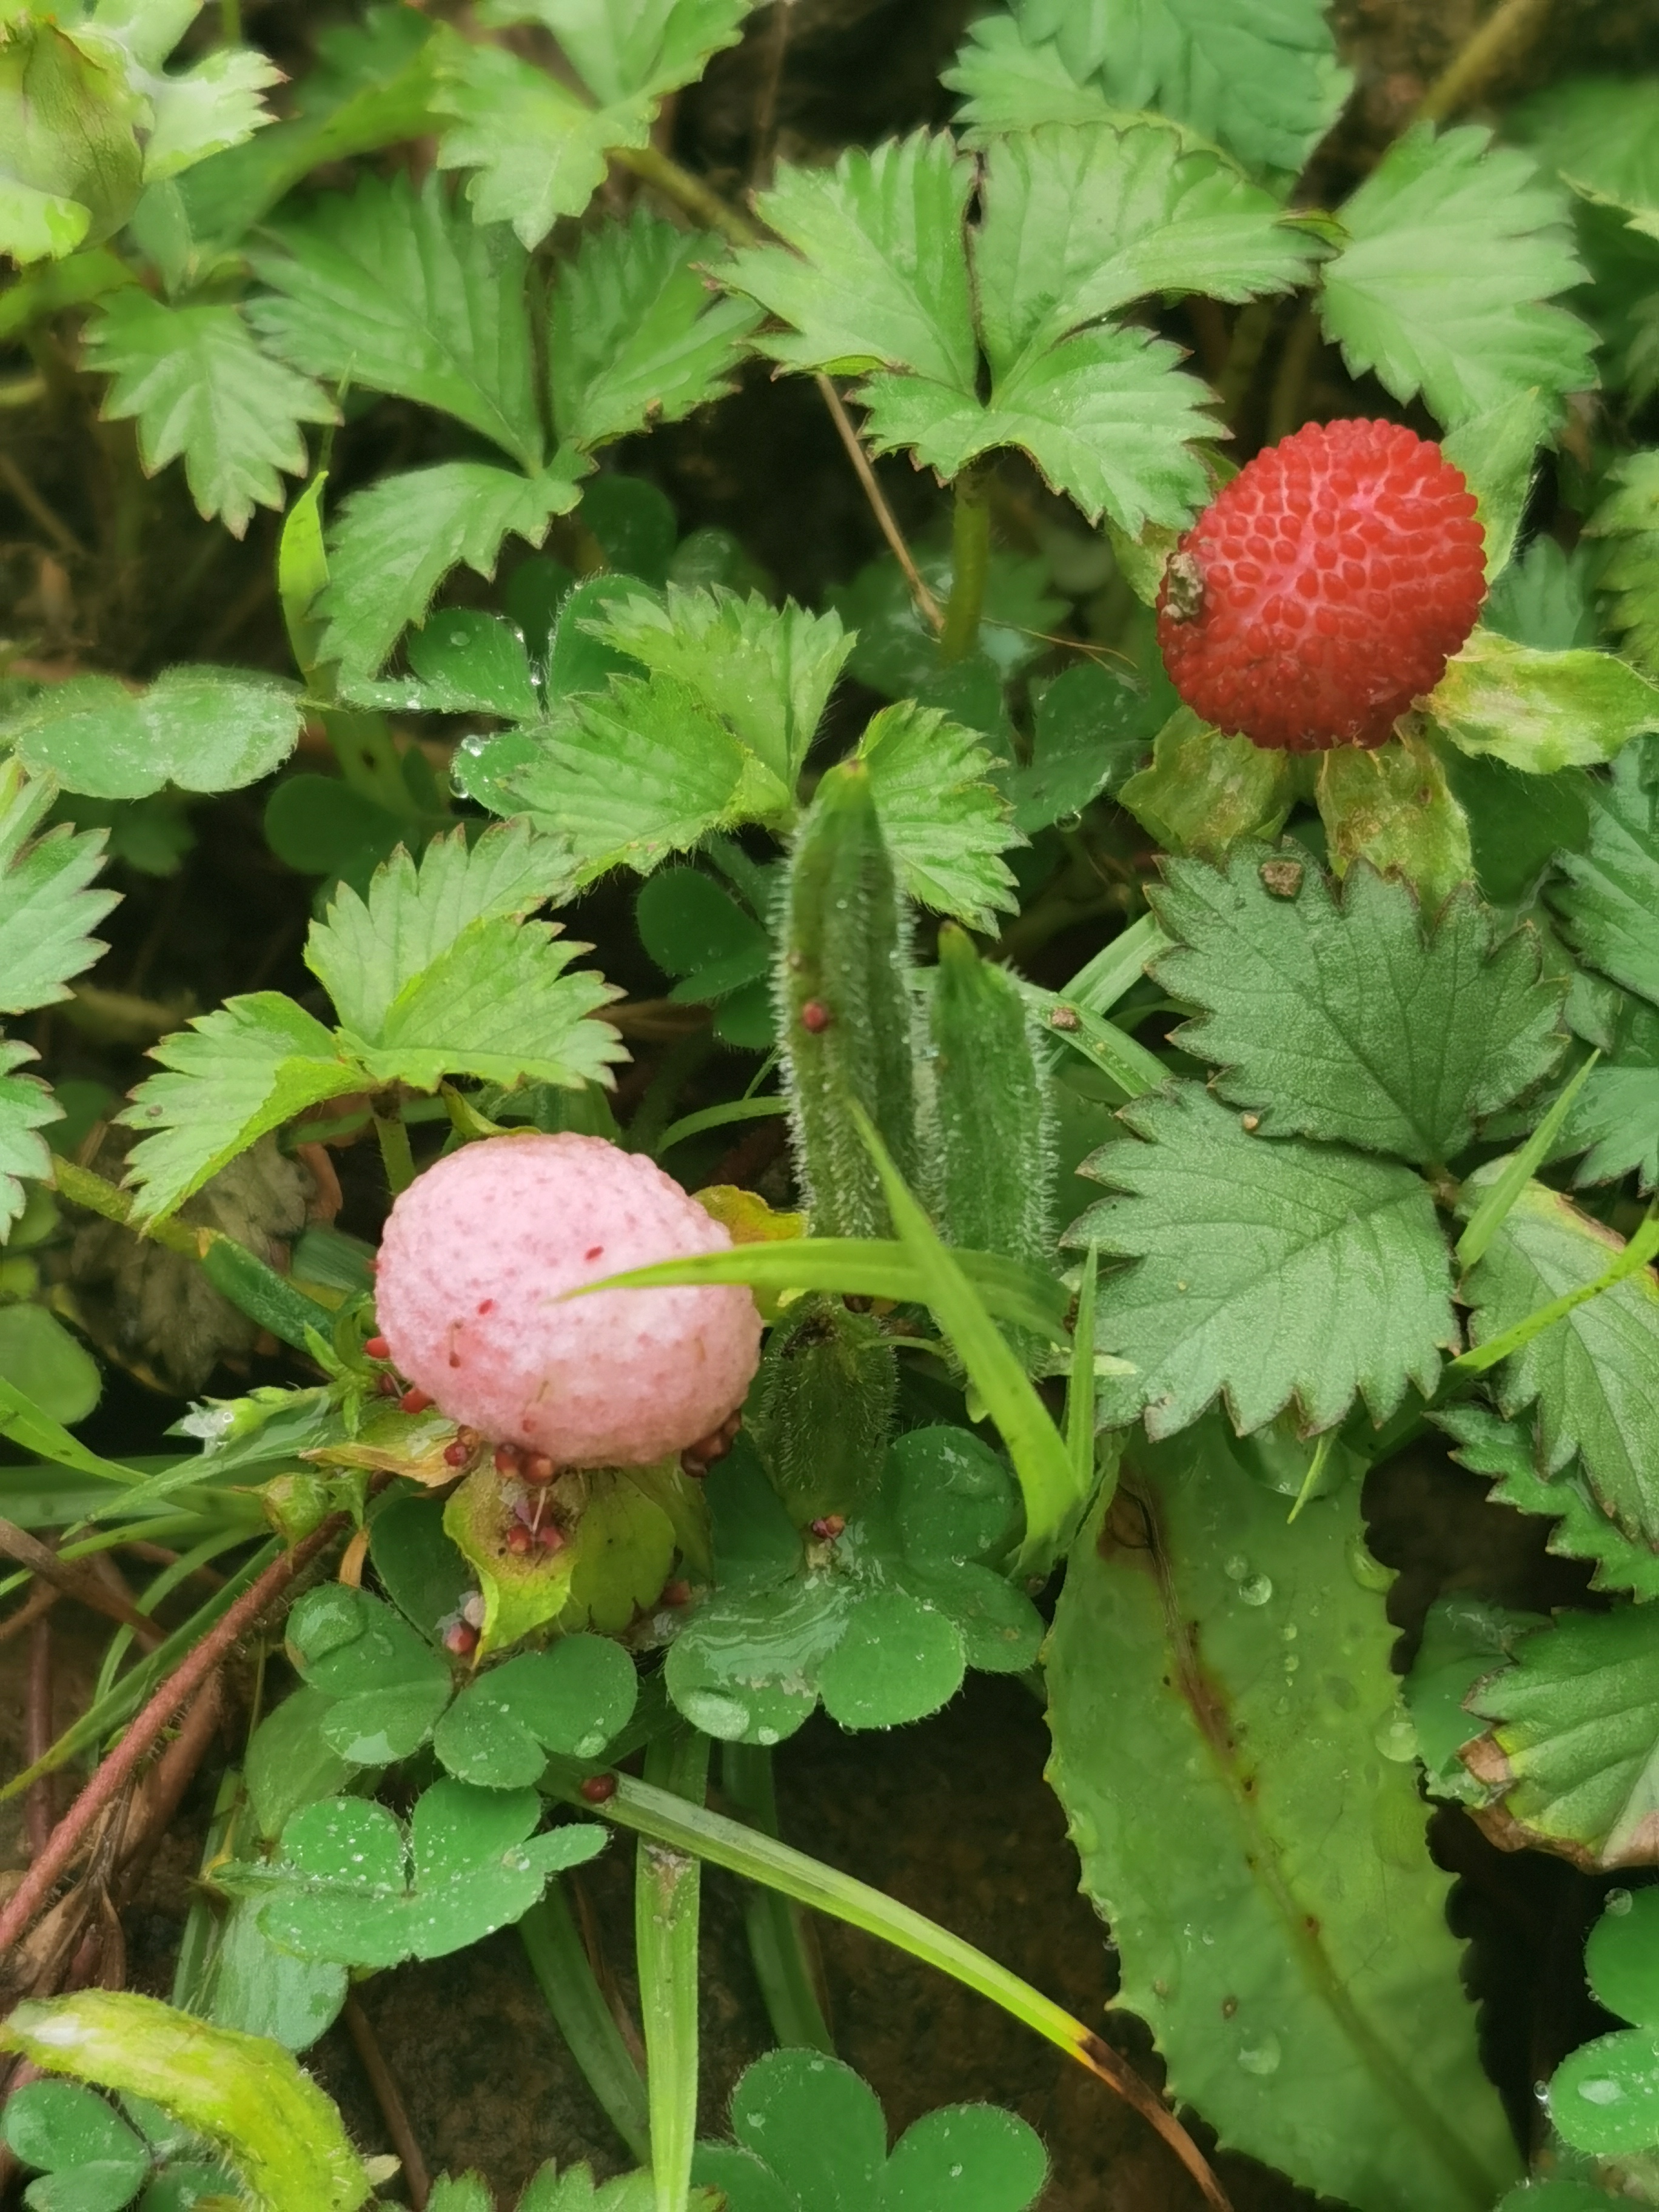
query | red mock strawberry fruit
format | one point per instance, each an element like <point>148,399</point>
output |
<point>1324,589</point>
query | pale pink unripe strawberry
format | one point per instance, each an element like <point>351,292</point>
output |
<point>468,1295</point>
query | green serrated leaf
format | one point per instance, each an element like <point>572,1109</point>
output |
<point>633,337</point>
<point>204,109</point>
<point>643,46</point>
<point>394,290</point>
<point>946,823</point>
<point>244,1069</point>
<point>395,543</point>
<point>1594,1374</point>
<point>27,1107</point>
<point>767,671</point>
<point>1266,1273</point>
<point>1543,599</point>
<point>1496,451</point>
<point>1542,712</point>
<point>1203,792</point>
<point>1609,903</point>
<point>1265,1876</point>
<point>1400,298</point>
<point>200,386</point>
<point>1487,1444</point>
<point>198,727</point>
<point>1011,82</point>
<point>1630,574</point>
<point>47,905</point>
<point>1614,1120</point>
<point>1349,1018</point>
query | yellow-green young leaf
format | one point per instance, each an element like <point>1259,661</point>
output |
<point>633,336</point>
<point>1593,1376</point>
<point>1629,516</point>
<point>271,2121</point>
<point>946,823</point>
<point>1401,298</point>
<point>199,728</point>
<point>395,290</point>
<point>1541,711</point>
<point>1394,808</point>
<point>1609,903</point>
<point>1265,1273</point>
<point>1240,1784</point>
<point>69,164</point>
<point>1203,791</point>
<point>200,386</point>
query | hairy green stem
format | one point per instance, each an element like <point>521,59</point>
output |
<point>564,1974</point>
<point>777,1937</point>
<point>667,1896</point>
<point>970,564</point>
<point>396,1156</point>
<point>82,1188</point>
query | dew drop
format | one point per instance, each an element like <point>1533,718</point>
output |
<point>1236,1568</point>
<point>1601,2089</point>
<point>1261,2054</point>
<point>1395,1737</point>
<point>1618,1901</point>
<point>1257,1590</point>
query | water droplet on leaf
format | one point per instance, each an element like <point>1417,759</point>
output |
<point>1257,1590</point>
<point>1261,2054</point>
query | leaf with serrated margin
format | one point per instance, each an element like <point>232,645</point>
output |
<point>636,46</point>
<point>206,109</point>
<point>1609,903</point>
<point>643,770</point>
<point>946,823</point>
<point>1594,1375</point>
<point>1613,1123</point>
<point>497,1003</point>
<point>1574,1743</point>
<point>1106,415</point>
<point>1081,220</point>
<point>767,671</point>
<point>1265,1874</point>
<point>635,337</point>
<point>1265,1273</point>
<point>1630,574</point>
<point>1455,249</point>
<point>1261,77</point>
<point>199,728</point>
<point>535,148</point>
<point>27,1107</point>
<point>1601,134</point>
<point>365,952</point>
<point>232,1075</point>
<point>1350,1019</point>
<point>200,386</point>
<point>1487,1444</point>
<point>878,276</point>
<point>395,543</point>
<point>393,290</point>
<point>1540,712</point>
<point>1009,83</point>
<point>47,905</point>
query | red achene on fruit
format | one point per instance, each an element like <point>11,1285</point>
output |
<point>1325,588</point>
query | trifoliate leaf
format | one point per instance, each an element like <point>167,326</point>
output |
<point>1260,76</point>
<point>878,277</point>
<point>1080,221</point>
<point>945,822</point>
<point>1540,712</point>
<point>1593,1375</point>
<point>1613,1123</point>
<point>47,905</point>
<point>396,542</point>
<point>1348,1018</point>
<point>200,386</point>
<point>1265,1273</point>
<point>635,337</point>
<point>1455,248</point>
<point>1487,1444</point>
<point>471,663</point>
<point>206,109</point>
<point>388,1685</point>
<point>94,2161</point>
<point>27,1107</point>
<point>198,727</point>
<point>1610,904</point>
<point>397,291</point>
<point>1630,576</point>
<point>767,671</point>
<point>570,1700</point>
<point>1574,1740</point>
<point>70,168</point>
<point>365,952</point>
<point>349,1883</point>
<point>234,1074</point>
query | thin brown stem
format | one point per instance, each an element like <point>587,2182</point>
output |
<point>38,1811</point>
<point>933,613</point>
<point>75,1582</point>
<point>1495,45</point>
<point>38,511</point>
<point>171,1775</point>
<point>113,1774</point>
<point>39,1600</point>
<point>390,2100</point>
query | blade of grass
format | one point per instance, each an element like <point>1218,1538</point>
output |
<point>667,1897</point>
<point>565,1976</point>
<point>1490,1215</point>
<point>776,1936</point>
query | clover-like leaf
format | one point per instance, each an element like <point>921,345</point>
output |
<point>1348,1018</point>
<point>350,1883</point>
<point>1265,1273</point>
<point>93,2161</point>
<point>199,728</point>
<point>571,1699</point>
<point>387,1684</point>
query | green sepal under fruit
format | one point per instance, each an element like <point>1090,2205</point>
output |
<point>991,1143</point>
<point>821,1411</point>
<point>844,1007</point>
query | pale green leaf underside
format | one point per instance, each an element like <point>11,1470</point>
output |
<point>1540,712</point>
<point>395,291</point>
<point>200,386</point>
<point>1349,1019</point>
<point>1455,250</point>
<point>1261,1866</point>
<point>1265,1273</point>
<point>198,727</point>
<point>1630,517</point>
<point>1593,1376</point>
<point>395,543</point>
<point>47,908</point>
<point>1609,902</point>
<point>945,823</point>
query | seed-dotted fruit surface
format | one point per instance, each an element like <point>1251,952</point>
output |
<point>1325,588</point>
<point>477,1253</point>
